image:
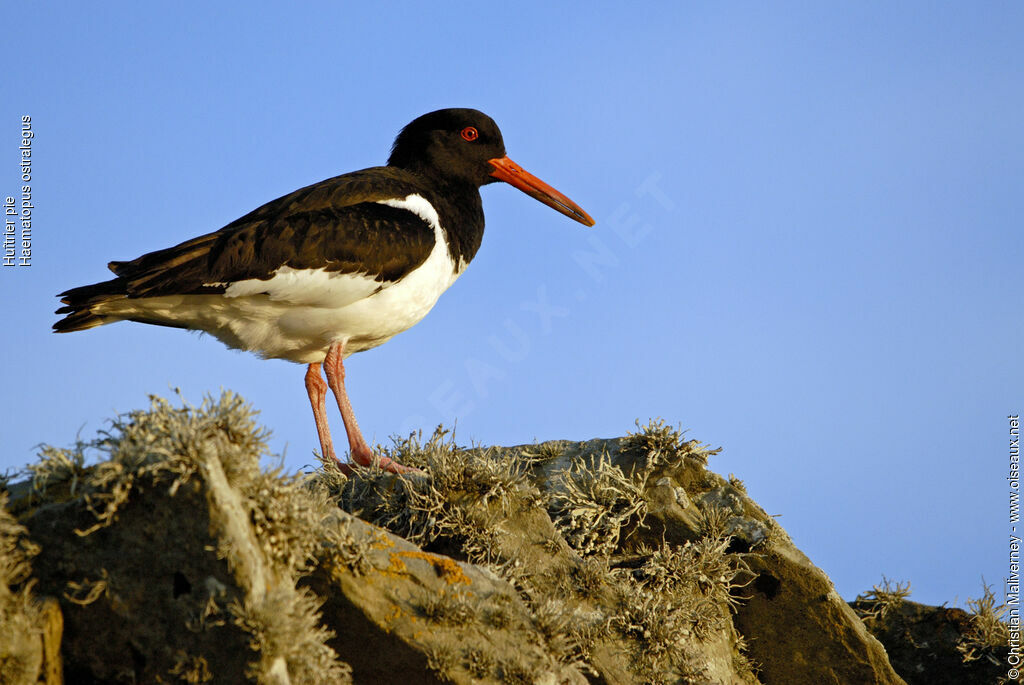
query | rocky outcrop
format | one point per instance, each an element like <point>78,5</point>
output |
<point>932,645</point>
<point>174,558</point>
<point>794,625</point>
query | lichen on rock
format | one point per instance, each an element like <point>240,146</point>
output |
<point>25,621</point>
<point>176,520</point>
<point>173,556</point>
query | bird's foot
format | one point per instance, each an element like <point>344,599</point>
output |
<point>364,456</point>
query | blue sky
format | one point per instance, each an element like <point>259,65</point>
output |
<point>807,247</point>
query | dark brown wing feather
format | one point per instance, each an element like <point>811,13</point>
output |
<point>337,224</point>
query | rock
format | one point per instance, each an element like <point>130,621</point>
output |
<point>429,617</point>
<point>30,626</point>
<point>829,644</point>
<point>795,627</point>
<point>930,645</point>
<point>175,558</point>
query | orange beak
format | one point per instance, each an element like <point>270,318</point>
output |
<point>508,171</point>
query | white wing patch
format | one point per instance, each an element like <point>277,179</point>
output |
<point>418,205</point>
<point>317,287</point>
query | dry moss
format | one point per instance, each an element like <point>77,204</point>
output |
<point>450,608</point>
<point>881,600</point>
<point>562,628</point>
<point>269,527</point>
<point>500,614</point>
<point>442,660</point>
<point>658,632</point>
<point>735,481</point>
<point>661,605</point>
<point>698,569</point>
<point>191,669</point>
<point>988,630</point>
<point>517,672</point>
<point>21,616</point>
<point>594,502</point>
<point>587,578</point>
<point>665,446</point>
<point>479,663</point>
<point>465,505</point>
<point>456,503</point>
<point>285,631</point>
<point>675,596</point>
<point>162,446</point>
<point>545,451</point>
<point>59,467</point>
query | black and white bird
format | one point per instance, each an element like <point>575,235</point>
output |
<point>331,269</point>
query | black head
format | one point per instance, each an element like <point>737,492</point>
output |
<point>465,145</point>
<point>451,143</point>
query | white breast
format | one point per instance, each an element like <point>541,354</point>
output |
<point>372,320</point>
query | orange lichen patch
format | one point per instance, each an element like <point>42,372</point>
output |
<point>448,569</point>
<point>396,567</point>
<point>392,616</point>
<point>395,614</point>
<point>381,541</point>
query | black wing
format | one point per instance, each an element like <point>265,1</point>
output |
<point>338,225</point>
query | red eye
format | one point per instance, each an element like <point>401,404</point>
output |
<point>470,133</point>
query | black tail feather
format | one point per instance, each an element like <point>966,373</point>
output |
<point>79,304</point>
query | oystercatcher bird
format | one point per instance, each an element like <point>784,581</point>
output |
<point>331,269</point>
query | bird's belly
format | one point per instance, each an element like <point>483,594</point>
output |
<point>368,322</point>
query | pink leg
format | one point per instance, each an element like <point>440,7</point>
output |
<point>360,452</point>
<point>317,390</point>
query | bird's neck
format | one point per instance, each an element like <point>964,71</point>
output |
<point>462,216</point>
